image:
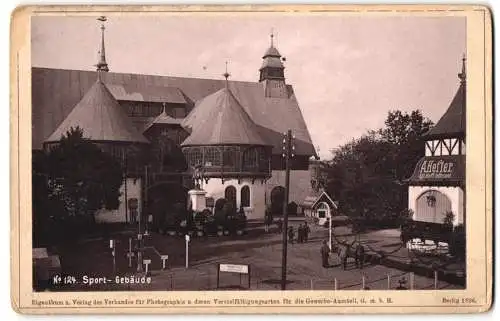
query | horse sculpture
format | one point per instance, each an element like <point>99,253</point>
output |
<point>346,251</point>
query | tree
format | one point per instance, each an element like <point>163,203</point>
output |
<point>366,174</point>
<point>82,177</point>
<point>404,132</point>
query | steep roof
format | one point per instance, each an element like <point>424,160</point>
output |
<point>226,122</point>
<point>272,58</point>
<point>272,51</point>
<point>452,123</point>
<point>56,91</point>
<point>163,119</point>
<point>100,117</point>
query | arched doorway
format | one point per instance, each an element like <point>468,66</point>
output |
<point>230,195</point>
<point>292,208</point>
<point>166,200</point>
<point>432,207</point>
<point>277,199</point>
<point>245,196</point>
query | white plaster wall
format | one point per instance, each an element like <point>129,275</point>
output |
<point>119,215</point>
<point>300,185</point>
<point>256,210</point>
<point>455,194</point>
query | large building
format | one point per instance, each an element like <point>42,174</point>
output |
<point>232,130</point>
<point>437,186</point>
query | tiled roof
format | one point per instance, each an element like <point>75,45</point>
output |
<point>55,92</point>
<point>452,123</point>
<point>225,122</point>
<point>100,117</point>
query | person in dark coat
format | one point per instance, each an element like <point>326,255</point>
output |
<point>307,230</point>
<point>300,234</point>
<point>291,235</point>
<point>325,252</point>
<point>279,224</point>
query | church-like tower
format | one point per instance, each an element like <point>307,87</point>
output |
<point>272,73</point>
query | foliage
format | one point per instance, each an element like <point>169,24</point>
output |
<point>366,174</point>
<point>449,218</point>
<point>75,179</point>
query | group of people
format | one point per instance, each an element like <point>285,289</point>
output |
<point>302,233</point>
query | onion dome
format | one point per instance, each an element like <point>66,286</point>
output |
<point>272,65</point>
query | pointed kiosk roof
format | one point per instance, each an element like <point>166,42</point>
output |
<point>163,119</point>
<point>225,123</point>
<point>100,117</point>
<point>452,123</point>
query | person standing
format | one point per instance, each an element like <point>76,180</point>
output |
<point>300,234</point>
<point>325,252</point>
<point>291,235</point>
<point>279,224</point>
<point>307,230</point>
<point>267,219</point>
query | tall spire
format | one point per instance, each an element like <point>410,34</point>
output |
<point>102,65</point>
<point>226,75</point>
<point>462,76</point>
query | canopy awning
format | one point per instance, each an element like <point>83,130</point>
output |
<point>446,170</point>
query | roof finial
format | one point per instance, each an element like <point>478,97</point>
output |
<point>462,76</point>
<point>164,109</point>
<point>226,75</point>
<point>272,37</point>
<point>102,65</point>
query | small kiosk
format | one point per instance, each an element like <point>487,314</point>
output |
<point>321,207</point>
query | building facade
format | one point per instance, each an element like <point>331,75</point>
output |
<point>437,187</point>
<point>172,129</point>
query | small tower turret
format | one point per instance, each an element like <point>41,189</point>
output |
<point>102,65</point>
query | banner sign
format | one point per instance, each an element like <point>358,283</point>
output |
<point>440,169</point>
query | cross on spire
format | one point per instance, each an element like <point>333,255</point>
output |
<point>462,75</point>
<point>102,65</point>
<point>272,37</point>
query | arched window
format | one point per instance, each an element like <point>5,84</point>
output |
<point>292,208</point>
<point>323,210</point>
<point>219,204</point>
<point>245,196</point>
<point>230,195</point>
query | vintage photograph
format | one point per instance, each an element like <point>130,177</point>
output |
<point>248,152</point>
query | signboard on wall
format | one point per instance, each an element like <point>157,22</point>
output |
<point>234,268</point>
<point>439,169</point>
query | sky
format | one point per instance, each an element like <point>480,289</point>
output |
<point>347,71</point>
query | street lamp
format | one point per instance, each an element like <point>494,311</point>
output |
<point>330,228</point>
<point>288,153</point>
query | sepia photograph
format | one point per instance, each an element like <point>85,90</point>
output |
<point>249,152</point>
